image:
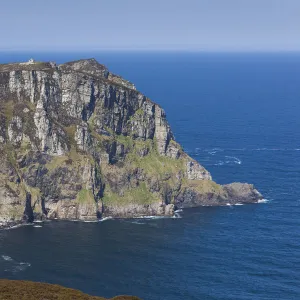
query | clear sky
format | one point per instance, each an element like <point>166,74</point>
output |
<point>207,25</point>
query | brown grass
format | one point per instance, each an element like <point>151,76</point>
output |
<point>27,290</point>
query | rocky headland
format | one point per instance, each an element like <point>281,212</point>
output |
<point>78,142</point>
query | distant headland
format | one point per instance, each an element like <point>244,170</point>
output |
<point>81,143</point>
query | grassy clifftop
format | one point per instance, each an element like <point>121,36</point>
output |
<point>27,290</point>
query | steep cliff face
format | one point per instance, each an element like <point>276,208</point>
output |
<point>78,142</point>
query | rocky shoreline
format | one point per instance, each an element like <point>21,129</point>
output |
<point>38,220</point>
<point>78,142</point>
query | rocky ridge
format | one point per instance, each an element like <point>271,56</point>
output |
<point>78,142</point>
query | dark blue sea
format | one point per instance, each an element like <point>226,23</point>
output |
<point>238,115</point>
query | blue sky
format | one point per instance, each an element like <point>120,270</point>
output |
<point>195,25</point>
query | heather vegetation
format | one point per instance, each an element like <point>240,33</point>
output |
<point>27,290</point>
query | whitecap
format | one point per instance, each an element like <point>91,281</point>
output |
<point>233,159</point>
<point>229,160</point>
<point>212,152</point>
<point>22,266</point>
<point>220,163</point>
<point>178,211</point>
<point>14,265</point>
<point>7,258</point>
<point>37,226</point>
<point>238,204</point>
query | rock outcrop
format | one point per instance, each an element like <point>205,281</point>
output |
<point>78,142</point>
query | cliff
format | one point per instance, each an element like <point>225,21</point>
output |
<point>78,142</point>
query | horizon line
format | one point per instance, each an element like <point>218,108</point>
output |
<point>156,50</point>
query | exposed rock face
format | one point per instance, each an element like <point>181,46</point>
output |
<point>78,142</point>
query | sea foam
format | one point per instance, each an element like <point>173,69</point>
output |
<point>105,219</point>
<point>263,201</point>
<point>7,258</point>
<point>15,266</point>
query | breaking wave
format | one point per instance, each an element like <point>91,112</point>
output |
<point>263,201</point>
<point>90,221</point>
<point>153,217</point>
<point>105,219</point>
<point>177,216</point>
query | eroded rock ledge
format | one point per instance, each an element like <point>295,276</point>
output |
<point>78,142</point>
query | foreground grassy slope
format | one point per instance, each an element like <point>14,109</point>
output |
<point>27,290</point>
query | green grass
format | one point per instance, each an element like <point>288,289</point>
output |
<point>70,131</point>
<point>139,195</point>
<point>137,115</point>
<point>8,110</point>
<point>178,146</point>
<point>154,164</point>
<point>56,161</point>
<point>73,160</point>
<point>85,196</point>
<point>205,187</point>
<point>101,139</point>
<point>25,145</point>
<point>15,213</point>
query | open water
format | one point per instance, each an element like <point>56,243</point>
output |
<point>238,115</point>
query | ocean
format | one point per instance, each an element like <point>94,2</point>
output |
<point>239,116</point>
